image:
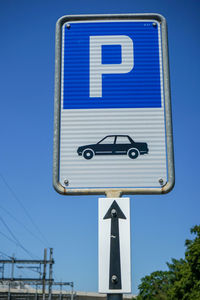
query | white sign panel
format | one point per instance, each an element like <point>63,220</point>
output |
<point>112,105</point>
<point>114,245</point>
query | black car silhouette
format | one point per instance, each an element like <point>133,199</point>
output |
<point>114,145</point>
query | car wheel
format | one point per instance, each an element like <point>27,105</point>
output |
<point>88,154</point>
<point>133,153</point>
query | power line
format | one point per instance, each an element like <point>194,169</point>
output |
<point>2,253</point>
<point>19,222</point>
<point>9,239</point>
<point>14,237</point>
<point>25,210</point>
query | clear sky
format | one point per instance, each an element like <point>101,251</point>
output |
<point>159,224</point>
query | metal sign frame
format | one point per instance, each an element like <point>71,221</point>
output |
<point>110,192</point>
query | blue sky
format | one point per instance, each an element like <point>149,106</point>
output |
<point>159,224</point>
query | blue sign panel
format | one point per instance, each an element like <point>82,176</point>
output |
<point>111,65</point>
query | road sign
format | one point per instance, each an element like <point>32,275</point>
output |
<point>114,245</point>
<point>112,105</point>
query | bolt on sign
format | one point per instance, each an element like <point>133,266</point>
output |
<point>113,129</point>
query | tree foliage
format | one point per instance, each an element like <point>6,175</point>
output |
<point>154,286</point>
<point>181,281</point>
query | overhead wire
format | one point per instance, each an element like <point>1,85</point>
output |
<point>20,223</point>
<point>2,253</point>
<point>23,207</point>
<point>15,240</point>
<point>14,237</point>
<point>9,239</point>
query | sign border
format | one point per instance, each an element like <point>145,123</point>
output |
<point>112,192</point>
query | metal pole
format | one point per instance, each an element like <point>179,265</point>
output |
<point>36,292</point>
<point>3,271</point>
<point>27,295</point>
<point>72,294</point>
<point>44,274</point>
<point>23,261</point>
<point>114,296</point>
<point>12,270</point>
<point>61,291</point>
<point>50,272</point>
<point>9,290</point>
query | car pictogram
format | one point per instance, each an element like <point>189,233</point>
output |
<point>114,145</point>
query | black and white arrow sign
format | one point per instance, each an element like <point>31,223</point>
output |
<point>114,213</point>
<point>114,245</point>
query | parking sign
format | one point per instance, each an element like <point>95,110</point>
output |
<point>112,105</point>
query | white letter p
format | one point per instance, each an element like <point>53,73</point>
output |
<point>96,66</point>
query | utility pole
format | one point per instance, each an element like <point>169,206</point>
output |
<point>44,274</point>
<point>72,294</point>
<point>61,284</point>
<point>12,269</point>
<point>36,291</point>
<point>61,291</point>
<point>2,271</point>
<point>50,272</point>
<point>12,276</point>
<point>41,281</point>
<point>9,290</point>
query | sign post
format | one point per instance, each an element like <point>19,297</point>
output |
<point>112,128</point>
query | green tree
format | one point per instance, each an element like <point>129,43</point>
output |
<point>181,281</point>
<point>155,286</point>
<point>186,281</point>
